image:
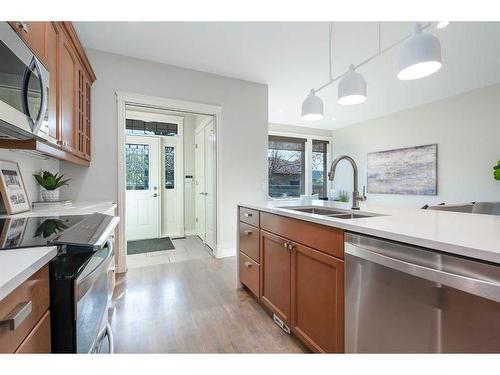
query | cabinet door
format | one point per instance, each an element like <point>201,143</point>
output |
<point>69,92</point>
<point>317,299</point>
<point>275,264</point>
<point>34,34</point>
<point>82,131</point>
<point>53,131</point>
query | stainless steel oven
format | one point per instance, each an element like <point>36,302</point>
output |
<point>81,286</point>
<point>406,299</point>
<point>92,297</point>
<point>24,88</point>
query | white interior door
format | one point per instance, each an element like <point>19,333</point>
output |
<point>200,183</point>
<point>210,186</point>
<point>172,188</point>
<point>142,182</point>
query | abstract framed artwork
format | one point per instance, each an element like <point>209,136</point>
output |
<point>409,171</point>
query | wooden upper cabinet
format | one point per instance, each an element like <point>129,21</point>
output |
<point>317,299</point>
<point>35,36</point>
<point>82,130</point>
<point>275,264</point>
<point>67,133</point>
<point>53,132</point>
<point>69,95</point>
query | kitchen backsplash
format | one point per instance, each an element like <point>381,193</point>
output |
<point>29,164</point>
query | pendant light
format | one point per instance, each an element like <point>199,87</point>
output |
<point>420,56</point>
<point>352,88</point>
<point>312,107</point>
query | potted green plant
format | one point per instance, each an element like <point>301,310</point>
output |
<point>496,171</point>
<point>50,185</point>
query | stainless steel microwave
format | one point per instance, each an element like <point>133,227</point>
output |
<point>24,88</point>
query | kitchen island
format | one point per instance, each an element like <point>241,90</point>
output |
<point>292,256</point>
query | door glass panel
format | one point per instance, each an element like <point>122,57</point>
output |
<point>137,166</point>
<point>169,167</point>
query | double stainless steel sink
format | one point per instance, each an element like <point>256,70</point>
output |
<point>332,212</point>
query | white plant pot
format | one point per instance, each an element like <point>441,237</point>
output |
<point>50,195</point>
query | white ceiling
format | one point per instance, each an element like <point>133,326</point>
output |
<point>292,57</point>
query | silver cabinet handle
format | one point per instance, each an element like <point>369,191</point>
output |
<point>291,246</point>
<point>248,264</point>
<point>23,26</point>
<point>17,315</point>
<point>248,232</point>
<point>285,245</point>
<point>247,214</point>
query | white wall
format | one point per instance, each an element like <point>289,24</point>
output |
<point>243,134</point>
<point>465,127</point>
<point>29,164</point>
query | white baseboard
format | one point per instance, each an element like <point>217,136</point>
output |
<point>227,252</point>
<point>191,232</point>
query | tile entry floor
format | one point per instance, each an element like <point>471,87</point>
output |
<point>188,248</point>
<point>192,306</point>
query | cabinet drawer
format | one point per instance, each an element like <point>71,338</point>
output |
<point>38,341</point>
<point>249,274</point>
<point>249,241</point>
<point>29,302</point>
<point>327,239</point>
<point>249,216</point>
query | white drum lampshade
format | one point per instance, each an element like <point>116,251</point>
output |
<point>420,56</point>
<point>312,107</point>
<point>352,88</point>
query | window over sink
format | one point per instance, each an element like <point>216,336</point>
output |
<point>297,165</point>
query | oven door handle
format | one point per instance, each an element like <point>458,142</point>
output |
<point>483,288</point>
<point>82,286</point>
<point>34,123</point>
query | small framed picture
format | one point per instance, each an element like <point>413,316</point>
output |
<point>12,188</point>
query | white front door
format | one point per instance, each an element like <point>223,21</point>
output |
<point>200,182</point>
<point>210,186</point>
<point>172,187</point>
<point>142,184</point>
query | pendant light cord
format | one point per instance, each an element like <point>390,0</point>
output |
<point>366,61</point>
<point>330,51</point>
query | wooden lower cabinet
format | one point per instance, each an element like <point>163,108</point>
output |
<point>301,285</point>
<point>38,341</point>
<point>317,299</point>
<point>25,317</point>
<point>275,267</point>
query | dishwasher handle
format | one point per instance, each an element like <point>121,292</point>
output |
<point>483,288</point>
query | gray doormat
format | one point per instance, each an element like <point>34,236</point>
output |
<point>148,246</point>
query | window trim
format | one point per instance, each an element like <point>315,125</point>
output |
<point>308,159</point>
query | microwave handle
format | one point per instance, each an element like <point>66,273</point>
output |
<point>34,64</point>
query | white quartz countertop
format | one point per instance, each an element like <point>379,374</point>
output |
<point>16,266</point>
<point>75,208</point>
<point>471,235</point>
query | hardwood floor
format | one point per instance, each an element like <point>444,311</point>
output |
<point>192,307</point>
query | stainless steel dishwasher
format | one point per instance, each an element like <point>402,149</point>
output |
<point>405,299</point>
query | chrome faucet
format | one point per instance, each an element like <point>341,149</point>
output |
<point>356,197</point>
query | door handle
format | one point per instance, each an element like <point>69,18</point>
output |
<point>248,264</point>
<point>248,232</point>
<point>155,195</point>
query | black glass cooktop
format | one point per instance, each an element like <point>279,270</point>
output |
<point>21,232</point>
